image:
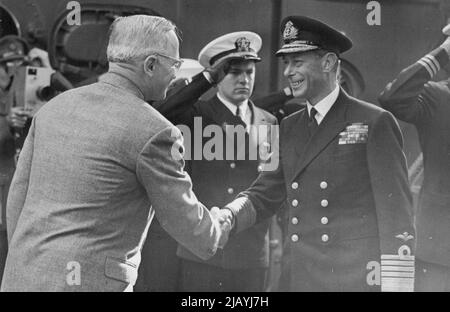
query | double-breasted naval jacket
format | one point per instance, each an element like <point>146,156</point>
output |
<point>350,212</point>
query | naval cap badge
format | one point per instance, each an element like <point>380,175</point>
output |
<point>242,44</point>
<point>290,31</point>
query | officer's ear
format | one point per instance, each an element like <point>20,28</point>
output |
<point>330,62</point>
<point>150,64</point>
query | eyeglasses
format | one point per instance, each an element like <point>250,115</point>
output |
<point>176,62</point>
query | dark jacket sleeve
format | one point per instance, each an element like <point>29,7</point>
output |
<point>389,180</point>
<point>265,196</point>
<point>179,107</point>
<point>408,96</point>
<point>273,101</point>
<point>393,202</point>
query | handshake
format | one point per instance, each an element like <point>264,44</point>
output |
<point>226,221</point>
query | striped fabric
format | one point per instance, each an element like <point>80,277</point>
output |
<point>430,63</point>
<point>397,273</point>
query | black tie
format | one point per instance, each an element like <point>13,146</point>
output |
<point>312,122</point>
<point>238,114</point>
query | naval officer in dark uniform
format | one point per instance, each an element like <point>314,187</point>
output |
<point>243,263</point>
<point>342,171</point>
<point>414,98</point>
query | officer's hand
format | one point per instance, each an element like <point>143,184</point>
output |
<point>446,43</point>
<point>18,117</point>
<point>219,70</point>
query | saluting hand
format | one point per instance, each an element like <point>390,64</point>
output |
<point>219,70</point>
<point>446,43</point>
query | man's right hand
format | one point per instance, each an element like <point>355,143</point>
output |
<point>18,117</point>
<point>446,43</point>
<point>218,71</point>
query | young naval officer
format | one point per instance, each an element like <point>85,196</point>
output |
<point>414,98</point>
<point>343,173</point>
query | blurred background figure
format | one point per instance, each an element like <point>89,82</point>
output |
<point>6,162</point>
<point>414,98</point>
<point>14,120</point>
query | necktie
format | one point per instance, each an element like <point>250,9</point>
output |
<point>312,122</point>
<point>239,114</point>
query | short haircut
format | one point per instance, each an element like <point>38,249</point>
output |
<point>132,38</point>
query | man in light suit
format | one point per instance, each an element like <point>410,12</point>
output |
<point>97,165</point>
<point>343,174</point>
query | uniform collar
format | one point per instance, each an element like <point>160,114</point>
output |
<point>232,107</point>
<point>324,105</point>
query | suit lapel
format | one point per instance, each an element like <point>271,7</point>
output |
<point>329,128</point>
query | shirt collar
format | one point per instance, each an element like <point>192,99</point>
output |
<point>232,107</point>
<point>325,104</point>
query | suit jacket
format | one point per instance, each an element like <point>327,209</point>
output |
<point>412,98</point>
<point>216,182</point>
<point>96,166</point>
<point>349,201</point>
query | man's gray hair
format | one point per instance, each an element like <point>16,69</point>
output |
<point>134,37</point>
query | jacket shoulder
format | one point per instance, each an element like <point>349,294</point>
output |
<point>292,119</point>
<point>268,116</point>
<point>364,109</point>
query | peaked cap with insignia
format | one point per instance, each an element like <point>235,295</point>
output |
<point>240,45</point>
<point>301,34</point>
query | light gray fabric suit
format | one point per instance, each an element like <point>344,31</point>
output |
<point>96,165</point>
